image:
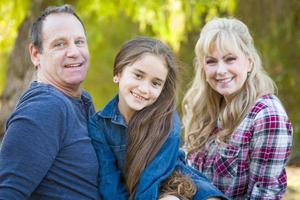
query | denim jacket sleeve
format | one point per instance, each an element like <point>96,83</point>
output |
<point>109,177</point>
<point>161,166</point>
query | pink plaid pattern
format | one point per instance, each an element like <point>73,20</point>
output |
<point>252,164</point>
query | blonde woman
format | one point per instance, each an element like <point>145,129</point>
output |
<point>237,131</point>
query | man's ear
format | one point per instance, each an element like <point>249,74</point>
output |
<point>34,55</point>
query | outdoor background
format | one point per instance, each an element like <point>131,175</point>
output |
<point>274,24</point>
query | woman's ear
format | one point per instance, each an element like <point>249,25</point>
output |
<point>250,65</point>
<point>34,55</point>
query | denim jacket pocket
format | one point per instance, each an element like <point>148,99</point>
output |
<point>118,148</point>
<point>120,153</point>
<point>227,160</point>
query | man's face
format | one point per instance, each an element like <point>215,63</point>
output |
<point>64,60</point>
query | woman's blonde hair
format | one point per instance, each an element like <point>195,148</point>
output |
<point>201,104</point>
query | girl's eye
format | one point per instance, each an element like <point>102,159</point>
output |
<point>138,76</point>
<point>156,84</point>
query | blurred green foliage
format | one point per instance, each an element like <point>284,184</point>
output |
<point>12,14</point>
<point>111,22</point>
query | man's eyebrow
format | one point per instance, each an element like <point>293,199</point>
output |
<point>81,37</point>
<point>58,39</point>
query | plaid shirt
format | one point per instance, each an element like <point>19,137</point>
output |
<point>252,164</point>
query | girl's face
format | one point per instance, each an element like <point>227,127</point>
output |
<point>226,73</point>
<point>140,84</point>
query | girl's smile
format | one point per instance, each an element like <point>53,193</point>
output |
<point>141,83</point>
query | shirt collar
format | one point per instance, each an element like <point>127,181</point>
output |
<point>111,111</point>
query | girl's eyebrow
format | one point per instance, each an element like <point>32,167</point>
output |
<point>140,71</point>
<point>158,79</point>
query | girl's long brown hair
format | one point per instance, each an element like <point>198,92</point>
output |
<point>148,128</point>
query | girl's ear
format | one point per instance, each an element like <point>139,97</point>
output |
<point>34,55</point>
<point>116,78</point>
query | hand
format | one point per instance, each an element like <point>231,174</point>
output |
<point>170,197</point>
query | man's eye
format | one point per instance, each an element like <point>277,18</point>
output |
<point>80,42</point>
<point>59,44</point>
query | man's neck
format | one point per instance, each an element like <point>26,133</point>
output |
<point>72,91</point>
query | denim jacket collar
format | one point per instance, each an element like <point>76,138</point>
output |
<point>111,111</point>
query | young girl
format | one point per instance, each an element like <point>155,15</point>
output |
<point>137,134</point>
<point>238,133</point>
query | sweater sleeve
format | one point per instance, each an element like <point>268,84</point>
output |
<point>161,167</point>
<point>110,183</point>
<point>29,147</point>
<point>271,146</point>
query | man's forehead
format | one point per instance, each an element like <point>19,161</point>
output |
<point>62,25</point>
<point>60,18</point>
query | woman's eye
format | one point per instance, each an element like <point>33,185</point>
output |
<point>210,62</point>
<point>230,59</point>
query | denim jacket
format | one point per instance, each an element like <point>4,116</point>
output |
<point>108,131</point>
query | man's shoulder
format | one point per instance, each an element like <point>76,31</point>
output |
<point>42,97</point>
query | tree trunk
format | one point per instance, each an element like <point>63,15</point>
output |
<point>19,73</point>
<point>20,69</point>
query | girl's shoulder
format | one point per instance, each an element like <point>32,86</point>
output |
<point>109,110</point>
<point>176,126</point>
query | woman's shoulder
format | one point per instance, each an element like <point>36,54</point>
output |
<point>268,104</point>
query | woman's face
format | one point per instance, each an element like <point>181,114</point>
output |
<point>141,83</point>
<point>226,73</point>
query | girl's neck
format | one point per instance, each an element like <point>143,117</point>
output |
<point>127,114</point>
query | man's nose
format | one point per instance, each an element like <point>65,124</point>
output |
<point>72,50</point>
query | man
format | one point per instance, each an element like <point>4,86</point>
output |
<point>46,152</point>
